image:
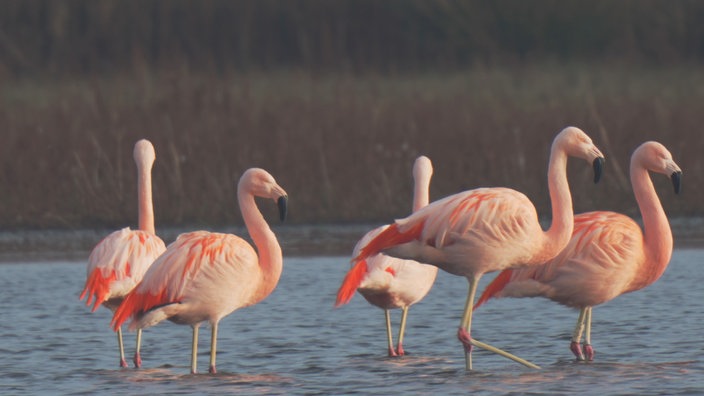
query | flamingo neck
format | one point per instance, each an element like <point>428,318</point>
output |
<point>144,198</point>
<point>270,258</point>
<point>421,192</point>
<point>560,231</point>
<point>657,233</point>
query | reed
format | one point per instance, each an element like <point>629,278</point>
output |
<point>341,144</point>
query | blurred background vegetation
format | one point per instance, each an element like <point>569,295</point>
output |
<point>335,99</point>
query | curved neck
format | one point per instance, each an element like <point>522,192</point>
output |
<point>657,234</point>
<point>144,199</point>
<point>270,259</point>
<point>421,192</point>
<point>560,231</point>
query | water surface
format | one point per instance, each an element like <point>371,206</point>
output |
<point>648,342</point>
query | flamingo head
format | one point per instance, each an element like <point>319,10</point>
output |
<point>578,144</point>
<point>653,156</point>
<point>144,152</point>
<point>260,183</point>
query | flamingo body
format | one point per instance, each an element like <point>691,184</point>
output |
<point>489,229</point>
<point>572,278</point>
<point>389,282</point>
<point>456,235</point>
<point>205,276</point>
<point>202,276</point>
<point>607,255</point>
<point>120,260</point>
<point>117,264</point>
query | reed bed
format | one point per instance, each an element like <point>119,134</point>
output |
<point>341,144</point>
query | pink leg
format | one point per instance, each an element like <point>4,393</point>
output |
<point>389,336</point>
<point>213,348</point>
<point>465,339</point>
<point>137,360</point>
<point>399,350</point>
<point>401,331</point>
<point>123,362</point>
<point>589,352</point>
<point>576,348</point>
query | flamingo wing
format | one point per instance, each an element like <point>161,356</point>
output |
<point>197,263</point>
<point>118,263</point>
<point>463,224</point>
<point>492,215</point>
<point>595,266</point>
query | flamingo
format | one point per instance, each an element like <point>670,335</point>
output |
<point>205,276</point>
<point>388,282</point>
<point>118,262</point>
<point>489,229</point>
<point>608,254</point>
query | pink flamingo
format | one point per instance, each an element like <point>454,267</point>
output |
<point>119,261</point>
<point>205,276</point>
<point>489,229</point>
<point>608,254</point>
<point>388,282</point>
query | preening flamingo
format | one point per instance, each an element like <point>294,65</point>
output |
<point>205,276</point>
<point>489,229</point>
<point>119,261</point>
<point>388,282</point>
<point>608,254</point>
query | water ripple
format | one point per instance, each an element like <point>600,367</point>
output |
<point>294,342</point>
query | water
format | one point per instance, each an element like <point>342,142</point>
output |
<point>648,342</point>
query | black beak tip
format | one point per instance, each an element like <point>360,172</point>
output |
<point>282,202</point>
<point>598,165</point>
<point>677,181</point>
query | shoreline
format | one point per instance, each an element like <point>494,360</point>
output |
<point>298,240</point>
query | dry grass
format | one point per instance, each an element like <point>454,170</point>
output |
<point>341,145</point>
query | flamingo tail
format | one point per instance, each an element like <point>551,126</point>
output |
<point>97,287</point>
<point>391,236</point>
<point>494,287</point>
<point>136,304</point>
<point>351,283</point>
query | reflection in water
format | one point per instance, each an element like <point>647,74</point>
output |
<point>647,342</point>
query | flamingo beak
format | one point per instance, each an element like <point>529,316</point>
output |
<point>282,202</point>
<point>676,178</point>
<point>598,164</point>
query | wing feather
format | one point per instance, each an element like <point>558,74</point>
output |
<point>118,263</point>
<point>191,258</point>
<point>592,269</point>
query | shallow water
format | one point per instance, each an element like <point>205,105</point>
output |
<point>648,342</point>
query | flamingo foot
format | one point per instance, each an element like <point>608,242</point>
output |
<point>577,350</point>
<point>392,353</point>
<point>589,352</point>
<point>137,360</point>
<point>212,370</point>
<point>400,351</point>
<point>123,363</point>
<point>465,339</point>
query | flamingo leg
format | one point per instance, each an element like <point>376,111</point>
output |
<point>465,330</point>
<point>389,336</point>
<point>588,349</point>
<point>401,331</point>
<point>194,350</point>
<point>213,348</point>
<point>464,333</point>
<point>123,362</point>
<point>575,347</point>
<point>137,356</point>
